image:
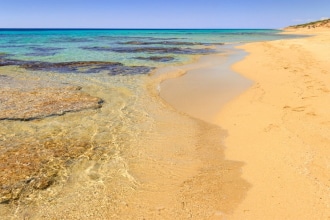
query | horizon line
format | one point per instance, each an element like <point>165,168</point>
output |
<point>45,29</point>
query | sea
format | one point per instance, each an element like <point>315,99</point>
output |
<point>101,157</point>
<point>120,45</point>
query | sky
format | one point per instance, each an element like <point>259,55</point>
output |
<point>160,13</point>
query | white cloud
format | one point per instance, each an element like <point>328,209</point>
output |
<point>324,18</point>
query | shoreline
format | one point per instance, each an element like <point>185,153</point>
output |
<point>158,161</point>
<point>164,163</point>
<point>298,189</point>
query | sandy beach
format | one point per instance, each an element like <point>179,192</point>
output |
<point>279,128</point>
<point>174,110</point>
<point>226,136</point>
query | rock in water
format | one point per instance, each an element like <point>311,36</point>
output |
<point>156,58</point>
<point>28,99</point>
<point>29,163</point>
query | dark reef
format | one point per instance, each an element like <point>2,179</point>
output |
<point>44,51</point>
<point>157,58</point>
<point>174,43</point>
<point>159,50</point>
<point>112,68</point>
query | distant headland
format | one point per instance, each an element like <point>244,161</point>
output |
<point>312,25</point>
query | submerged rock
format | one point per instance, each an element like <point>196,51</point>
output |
<point>40,54</point>
<point>44,51</point>
<point>129,70</point>
<point>67,67</point>
<point>172,43</point>
<point>2,55</point>
<point>108,49</point>
<point>44,102</point>
<point>159,50</point>
<point>28,100</point>
<point>70,40</point>
<point>35,165</point>
<point>30,162</point>
<point>12,46</point>
<point>160,42</point>
<point>157,58</point>
<point>4,61</point>
<point>135,38</point>
<point>112,68</point>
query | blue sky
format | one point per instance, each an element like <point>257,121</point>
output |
<point>160,13</point>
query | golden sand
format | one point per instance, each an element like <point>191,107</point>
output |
<point>280,129</point>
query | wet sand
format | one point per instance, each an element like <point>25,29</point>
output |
<point>206,85</point>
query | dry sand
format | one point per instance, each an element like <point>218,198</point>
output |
<point>280,128</point>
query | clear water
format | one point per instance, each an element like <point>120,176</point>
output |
<point>132,141</point>
<point>67,45</point>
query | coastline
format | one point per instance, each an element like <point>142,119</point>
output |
<point>277,127</point>
<point>164,163</point>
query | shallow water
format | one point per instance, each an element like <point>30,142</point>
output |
<point>211,83</point>
<point>133,157</point>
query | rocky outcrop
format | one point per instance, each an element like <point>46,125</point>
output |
<point>112,68</point>
<point>67,67</point>
<point>29,162</point>
<point>28,99</point>
<point>34,165</point>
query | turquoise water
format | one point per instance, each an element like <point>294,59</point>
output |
<point>98,45</point>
